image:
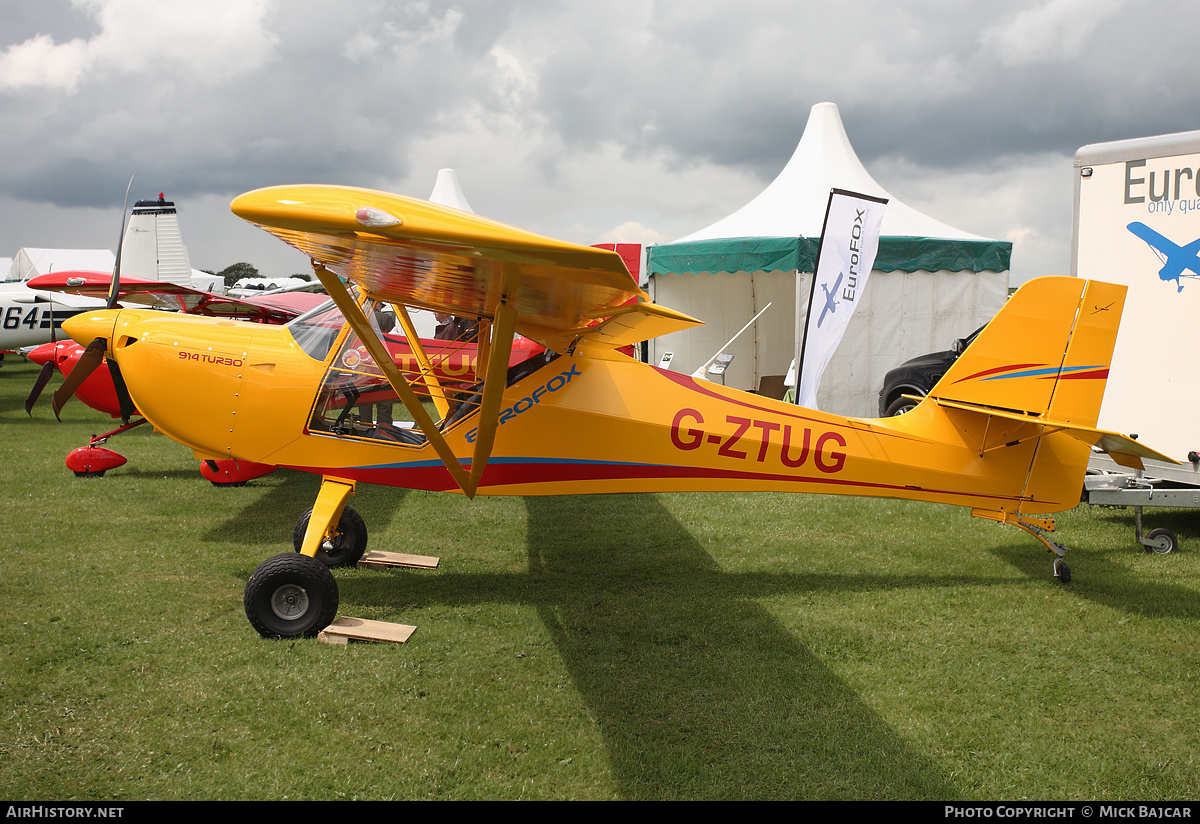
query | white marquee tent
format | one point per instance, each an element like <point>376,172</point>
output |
<point>931,283</point>
<point>30,263</point>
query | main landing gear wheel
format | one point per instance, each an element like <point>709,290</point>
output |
<point>1163,541</point>
<point>291,596</point>
<point>345,547</point>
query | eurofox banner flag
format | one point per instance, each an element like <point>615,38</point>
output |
<point>845,255</point>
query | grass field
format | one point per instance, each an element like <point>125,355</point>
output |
<point>675,646</point>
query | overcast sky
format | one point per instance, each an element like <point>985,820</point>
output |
<point>625,120</point>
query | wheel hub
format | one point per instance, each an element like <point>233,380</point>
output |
<point>289,602</point>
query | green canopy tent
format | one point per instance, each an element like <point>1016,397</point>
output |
<point>931,283</point>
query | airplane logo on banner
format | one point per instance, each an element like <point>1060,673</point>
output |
<point>1177,260</point>
<point>831,298</point>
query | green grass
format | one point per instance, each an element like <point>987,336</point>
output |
<point>679,646</point>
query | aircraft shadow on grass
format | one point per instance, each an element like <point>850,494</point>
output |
<point>185,475</point>
<point>689,701</point>
<point>274,513</point>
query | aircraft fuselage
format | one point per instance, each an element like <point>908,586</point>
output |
<point>587,423</point>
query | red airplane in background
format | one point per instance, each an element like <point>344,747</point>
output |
<point>453,361</point>
<point>95,386</point>
<point>274,307</point>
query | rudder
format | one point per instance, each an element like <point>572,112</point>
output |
<point>1039,376</point>
<point>1045,354</point>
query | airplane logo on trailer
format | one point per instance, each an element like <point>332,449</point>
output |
<point>1177,260</point>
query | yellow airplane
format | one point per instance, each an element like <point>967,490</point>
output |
<point>1007,431</point>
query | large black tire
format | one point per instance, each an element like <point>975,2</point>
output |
<point>291,596</point>
<point>349,543</point>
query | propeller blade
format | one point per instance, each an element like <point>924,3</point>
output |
<point>91,358</point>
<point>115,289</point>
<point>124,400</point>
<point>42,379</point>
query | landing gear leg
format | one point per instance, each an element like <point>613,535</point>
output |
<point>325,516</point>
<point>343,546</point>
<point>1039,528</point>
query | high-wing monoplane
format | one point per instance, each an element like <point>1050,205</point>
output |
<point>1006,433</point>
<point>1177,260</point>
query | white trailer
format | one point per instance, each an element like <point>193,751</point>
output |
<point>1137,222</point>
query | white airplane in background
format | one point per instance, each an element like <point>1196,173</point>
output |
<point>29,317</point>
<point>152,249</point>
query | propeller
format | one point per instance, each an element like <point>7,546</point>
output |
<point>93,355</point>
<point>45,372</point>
<point>42,379</point>
<point>47,368</point>
<point>91,358</point>
<point>115,289</point>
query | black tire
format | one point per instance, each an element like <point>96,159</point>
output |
<point>1064,573</point>
<point>291,596</point>
<point>1172,542</point>
<point>349,543</point>
<point>900,406</point>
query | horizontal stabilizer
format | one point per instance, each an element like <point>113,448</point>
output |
<point>1123,450</point>
<point>636,322</point>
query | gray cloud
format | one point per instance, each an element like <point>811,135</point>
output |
<point>577,117</point>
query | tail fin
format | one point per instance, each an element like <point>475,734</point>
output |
<point>1045,354</point>
<point>1037,373</point>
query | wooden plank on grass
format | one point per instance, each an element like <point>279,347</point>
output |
<point>383,560</point>
<point>344,630</point>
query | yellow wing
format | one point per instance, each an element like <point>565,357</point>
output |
<point>411,251</point>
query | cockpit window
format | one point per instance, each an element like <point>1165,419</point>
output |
<point>356,400</point>
<point>316,329</point>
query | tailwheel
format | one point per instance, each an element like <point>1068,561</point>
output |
<point>344,547</point>
<point>291,596</point>
<point>1061,571</point>
<point>1039,528</point>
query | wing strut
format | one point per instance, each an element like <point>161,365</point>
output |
<point>418,349</point>
<point>503,326</point>
<point>358,322</point>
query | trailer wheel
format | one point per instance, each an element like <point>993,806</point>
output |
<point>1164,541</point>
